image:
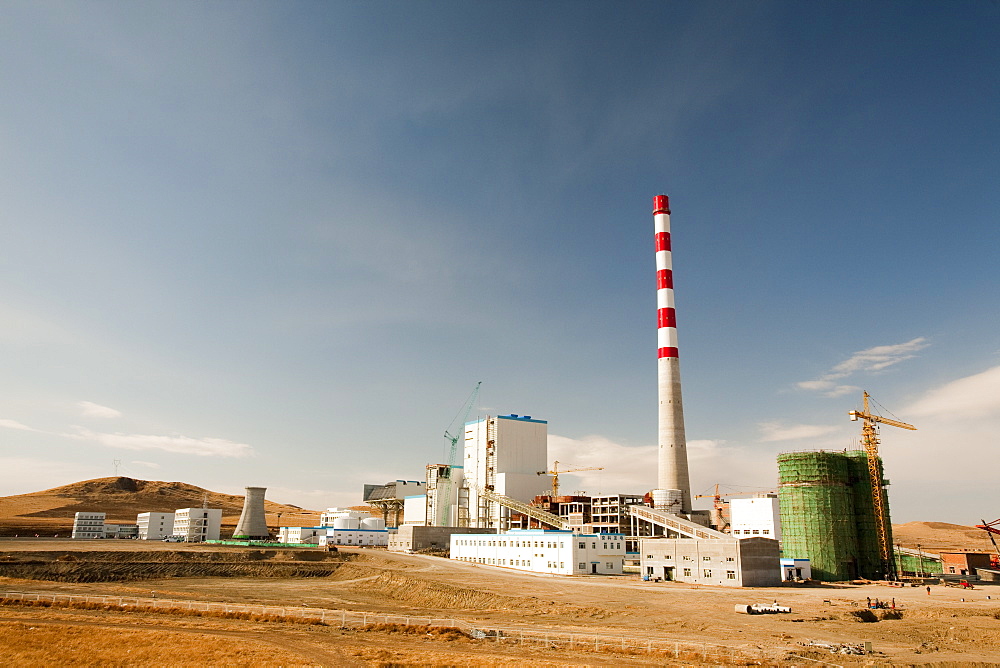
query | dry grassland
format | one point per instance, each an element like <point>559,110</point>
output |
<point>938,629</point>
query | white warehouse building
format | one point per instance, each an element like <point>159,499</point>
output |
<point>543,551</point>
<point>758,517</point>
<point>88,525</point>
<point>155,526</point>
<point>196,525</point>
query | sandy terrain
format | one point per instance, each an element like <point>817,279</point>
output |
<point>931,629</point>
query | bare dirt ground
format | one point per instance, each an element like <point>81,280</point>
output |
<point>949,626</point>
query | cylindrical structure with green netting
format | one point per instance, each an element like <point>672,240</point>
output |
<point>817,513</point>
<point>869,552</point>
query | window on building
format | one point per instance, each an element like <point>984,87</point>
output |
<point>707,573</point>
<point>649,556</point>
<point>582,566</point>
<point>730,558</point>
<point>687,572</point>
<point>730,575</point>
<point>755,532</point>
<point>767,531</point>
<point>706,558</point>
<point>583,546</point>
<point>609,565</point>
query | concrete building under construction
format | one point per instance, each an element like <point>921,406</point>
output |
<point>827,513</point>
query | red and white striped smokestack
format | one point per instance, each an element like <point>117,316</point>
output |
<point>673,491</point>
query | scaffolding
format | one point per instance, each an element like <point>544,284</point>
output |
<point>865,519</point>
<point>817,513</point>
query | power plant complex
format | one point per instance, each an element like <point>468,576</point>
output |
<point>491,503</point>
<point>497,502</point>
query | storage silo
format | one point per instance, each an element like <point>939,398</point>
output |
<point>869,552</point>
<point>817,513</point>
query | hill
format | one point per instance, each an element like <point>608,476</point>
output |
<point>52,510</point>
<point>941,537</point>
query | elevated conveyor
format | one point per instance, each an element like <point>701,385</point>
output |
<point>526,509</point>
<point>674,523</point>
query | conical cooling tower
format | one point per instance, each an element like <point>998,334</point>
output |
<point>253,524</point>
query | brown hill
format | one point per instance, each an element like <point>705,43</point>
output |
<point>52,510</point>
<point>941,537</point>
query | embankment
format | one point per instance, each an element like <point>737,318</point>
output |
<point>121,566</point>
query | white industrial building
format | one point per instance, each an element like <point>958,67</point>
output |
<point>445,495</point>
<point>543,551</point>
<point>356,537</point>
<point>757,516</point>
<point>753,562</point>
<point>88,525</point>
<point>330,515</point>
<point>196,525</point>
<point>503,454</point>
<point>796,569</point>
<point>155,526</point>
<point>415,509</point>
<point>360,530</point>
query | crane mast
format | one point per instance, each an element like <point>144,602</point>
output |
<point>555,475</point>
<point>869,436</point>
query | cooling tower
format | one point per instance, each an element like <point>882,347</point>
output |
<point>253,524</point>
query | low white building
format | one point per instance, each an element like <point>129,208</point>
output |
<point>327,518</point>
<point>725,562</point>
<point>88,525</point>
<point>795,569</point>
<point>757,516</point>
<point>356,537</point>
<point>543,551</point>
<point>301,535</point>
<point>155,526</point>
<point>196,525</point>
<point>121,530</point>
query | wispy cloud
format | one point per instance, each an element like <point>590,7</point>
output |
<point>778,431</point>
<point>869,360</point>
<point>976,396</point>
<point>184,445</point>
<point>90,409</point>
<point>148,465</point>
<point>14,424</point>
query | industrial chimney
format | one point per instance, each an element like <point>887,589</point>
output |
<point>253,524</point>
<point>673,491</point>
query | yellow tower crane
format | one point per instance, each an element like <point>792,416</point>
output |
<point>555,475</point>
<point>869,435</point>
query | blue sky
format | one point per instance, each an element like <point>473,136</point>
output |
<point>278,243</point>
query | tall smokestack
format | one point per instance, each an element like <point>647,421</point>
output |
<point>673,491</point>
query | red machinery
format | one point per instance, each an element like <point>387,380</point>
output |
<point>991,528</point>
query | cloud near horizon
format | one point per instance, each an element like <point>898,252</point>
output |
<point>14,424</point>
<point>778,431</point>
<point>870,360</point>
<point>90,409</point>
<point>184,445</point>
